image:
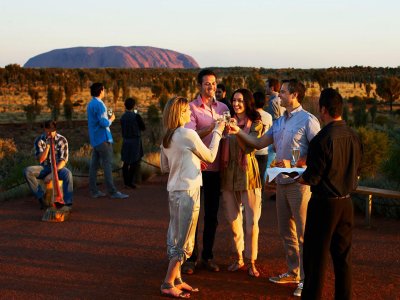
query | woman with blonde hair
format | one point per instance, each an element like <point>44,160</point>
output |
<point>241,184</point>
<point>181,154</point>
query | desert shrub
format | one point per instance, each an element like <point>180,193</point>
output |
<point>14,168</point>
<point>391,165</point>
<point>360,114</point>
<point>381,120</point>
<point>79,160</point>
<point>7,148</point>
<point>150,165</point>
<point>11,164</point>
<point>376,146</point>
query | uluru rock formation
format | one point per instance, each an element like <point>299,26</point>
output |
<point>112,57</point>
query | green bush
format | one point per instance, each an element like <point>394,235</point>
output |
<point>391,166</point>
<point>381,120</point>
<point>376,147</point>
<point>13,168</point>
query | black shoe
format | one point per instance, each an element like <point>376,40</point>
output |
<point>210,265</point>
<point>131,186</point>
<point>188,267</point>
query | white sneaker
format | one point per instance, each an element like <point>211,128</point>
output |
<point>297,292</point>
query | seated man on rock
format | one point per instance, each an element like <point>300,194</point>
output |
<point>43,170</point>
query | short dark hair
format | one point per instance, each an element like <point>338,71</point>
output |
<point>259,99</point>
<point>130,103</point>
<point>96,88</point>
<point>205,72</point>
<point>274,83</point>
<point>296,86</point>
<point>332,101</point>
<point>221,86</point>
<point>50,124</point>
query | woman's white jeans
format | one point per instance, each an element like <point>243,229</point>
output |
<point>184,207</point>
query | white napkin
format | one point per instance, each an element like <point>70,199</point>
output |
<point>273,172</point>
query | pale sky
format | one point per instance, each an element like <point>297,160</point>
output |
<point>216,33</point>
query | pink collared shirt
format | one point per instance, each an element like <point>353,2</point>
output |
<point>202,116</point>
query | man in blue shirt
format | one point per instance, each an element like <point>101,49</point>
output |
<point>101,140</point>
<point>296,128</point>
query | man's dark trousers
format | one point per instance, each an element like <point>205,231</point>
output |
<point>328,229</point>
<point>211,193</point>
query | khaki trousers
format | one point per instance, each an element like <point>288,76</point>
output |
<point>291,206</point>
<point>251,200</point>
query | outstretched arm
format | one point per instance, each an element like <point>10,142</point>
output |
<point>252,141</point>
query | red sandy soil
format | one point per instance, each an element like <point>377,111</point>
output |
<point>116,249</point>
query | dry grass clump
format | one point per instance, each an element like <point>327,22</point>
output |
<point>150,165</point>
<point>7,148</point>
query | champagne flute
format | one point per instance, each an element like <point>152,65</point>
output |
<point>227,116</point>
<point>109,112</point>
<point>295,155</point>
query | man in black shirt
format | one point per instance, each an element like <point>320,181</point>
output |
<point>132,150</point>
<point>333,163</point>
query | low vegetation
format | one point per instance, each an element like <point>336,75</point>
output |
<point>29,96</point>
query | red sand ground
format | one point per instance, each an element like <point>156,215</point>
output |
<point>115,249</point>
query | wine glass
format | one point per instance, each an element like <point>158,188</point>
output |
<point>295,155</point>
<point>227,116</point>
<point>109,112</point>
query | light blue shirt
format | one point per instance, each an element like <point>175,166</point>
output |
<point>295,129</point>
<point>98,122</point>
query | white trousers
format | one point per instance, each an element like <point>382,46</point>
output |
<point>251,200</point>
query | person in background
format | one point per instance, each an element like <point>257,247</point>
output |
<point>274,108</point>
<point>101,140</point>
<point>182,151</point>
<point>272,88</point>
<point>132,150</point>
<point>220,95</point>
<point>43,171</point>
<point>262,154</point>
<point>296,128</point>
<point>205,110</point>
<point>241,183</point>
<point>333,163</point>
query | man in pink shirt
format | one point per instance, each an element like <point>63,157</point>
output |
<point>205,110</point>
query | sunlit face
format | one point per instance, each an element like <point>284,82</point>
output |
<point>220,94</point>
<point>238,103</point>
<point>286,96</point>
<point>208,86</point>
<point>51,132</point>
<point>185,114</point>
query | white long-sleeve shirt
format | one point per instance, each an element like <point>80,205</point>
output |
<point>182,158</point>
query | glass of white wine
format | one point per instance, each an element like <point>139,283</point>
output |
<point>295,155</point>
